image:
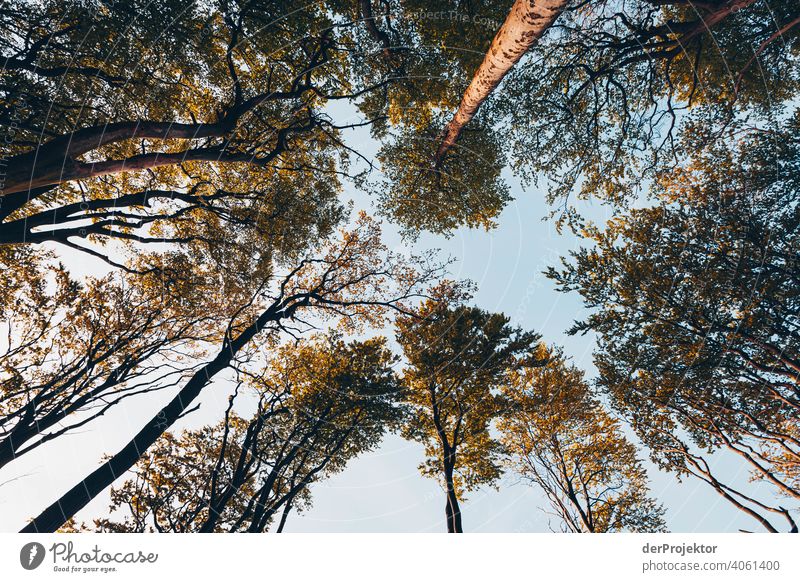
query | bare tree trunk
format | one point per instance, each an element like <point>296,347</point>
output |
<point>525,24</point>
<point>286,509</point>
<point>452,509</point>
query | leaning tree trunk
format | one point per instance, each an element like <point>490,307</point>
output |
<point>525,24</point>
<point>81,494</point>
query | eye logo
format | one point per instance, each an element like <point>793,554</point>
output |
<point>31,555</point>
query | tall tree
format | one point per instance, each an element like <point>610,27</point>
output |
<point>696,305</point>
<point>458,359</point>
<point>319,404</point>
<point>620,87</point>
<point>427,189</point>
<point>203,133</point>
<point>355,280</point>
<point>123,128</point>
<point>181,122</point>
<point>616,89</point>
<point>525,24</point>
<point>559,437</point>
<point>77,350</point>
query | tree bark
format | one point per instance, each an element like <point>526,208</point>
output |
<point>53,162</point>
<point>286,509</point>
<point>525,24</point>
<point>452,509</point>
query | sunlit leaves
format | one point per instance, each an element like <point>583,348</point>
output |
<point>319,404</point>
<point>558,436</point>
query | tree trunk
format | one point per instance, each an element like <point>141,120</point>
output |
<point>51,162</point>
<point>525,24</point>
<point>452,509</point>
<point>76,498</point>
<point>286,509</point>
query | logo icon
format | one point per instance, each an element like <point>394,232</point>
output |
<point>31,555</point>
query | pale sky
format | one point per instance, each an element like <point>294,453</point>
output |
<point>382,491</point>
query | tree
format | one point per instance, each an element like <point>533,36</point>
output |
<point>440,194</point>
<point>525,24</point>
<point>164,133</point>
<point>614,90</point>
<point>319,404</point>
<point>696,306</point>
<point>76,350</point>
<point>442,45</point>
<point>202,133</point>
<point>185,123</point>
<point>619,88</point>
<point>458,358</point>
<point>559,437</point>
<point>356,281</point>
<point>66,366</point>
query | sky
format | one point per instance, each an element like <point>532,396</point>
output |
<point>382,491</point>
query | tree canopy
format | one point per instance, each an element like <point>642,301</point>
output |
<point>559,436</point>
<point>458,357</point>
<point>696,308</point>
<point>319,404</point>
<point>181,206</point>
